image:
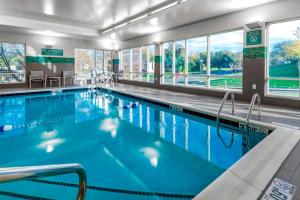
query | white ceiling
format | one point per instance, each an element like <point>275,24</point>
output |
<point>88,18</point>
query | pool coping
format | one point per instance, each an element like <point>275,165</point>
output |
<point>40,90</point>
<point>249,176</point>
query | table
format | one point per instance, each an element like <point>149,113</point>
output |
<point>55,79</point>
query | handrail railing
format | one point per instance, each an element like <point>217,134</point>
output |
<point>224,101</point>
<point>31,172</point>
<point>256,97</point>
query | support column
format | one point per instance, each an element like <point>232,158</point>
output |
<point>116,61</point>
<point>254,62</point>
<point>116,64</point>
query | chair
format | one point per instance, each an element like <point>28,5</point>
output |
<point>37,76</point>
<point>68,75</point>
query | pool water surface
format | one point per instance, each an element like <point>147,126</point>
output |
<point>125,145</point>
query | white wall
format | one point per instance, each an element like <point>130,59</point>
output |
<point>266,13</point>
<point>34,43</point>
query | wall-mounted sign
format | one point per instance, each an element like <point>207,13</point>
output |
<point>45,60</point>
<point>157,59</point>
<point>116,61</point>
<point>255,53</point>
<point>254,37</point>
<point>52,52</point>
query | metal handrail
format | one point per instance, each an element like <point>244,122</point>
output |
<point>255,98</point>
<point>224,101</point>
<point>31,172</point>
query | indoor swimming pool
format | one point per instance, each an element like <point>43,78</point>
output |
<point>129,148</point>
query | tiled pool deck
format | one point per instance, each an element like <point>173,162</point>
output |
<point>276,156</point>
<point>272,115</point>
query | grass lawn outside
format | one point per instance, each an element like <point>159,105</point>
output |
<point>285,70</point>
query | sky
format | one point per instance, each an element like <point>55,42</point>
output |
<point>283,32</point>
<point>232,41</point>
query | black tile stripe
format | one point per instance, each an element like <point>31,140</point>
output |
<point>22,196</point>
<point>115,190</point>
<point>25,93</point>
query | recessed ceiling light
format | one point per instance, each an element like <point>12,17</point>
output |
<point>49,7</point>
<point>49,33</point>
<point>113,35</point>
<point>154,21</point>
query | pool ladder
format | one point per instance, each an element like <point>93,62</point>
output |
<point>31,172</point>
<point>255,98</point>
<point>223,103</point>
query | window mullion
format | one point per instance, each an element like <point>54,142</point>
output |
<point>163,71</point>
<point>174,63</point>
<point>186,64</point>
<point>130,65</point>
<point>208,61</point>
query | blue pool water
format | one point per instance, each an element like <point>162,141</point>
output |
<point>148,148</point>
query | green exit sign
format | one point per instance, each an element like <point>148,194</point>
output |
<point>52,52</point>
<point>254,37</point>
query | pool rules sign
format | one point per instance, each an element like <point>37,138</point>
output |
<point>279,190</point>
<point>254,37</point>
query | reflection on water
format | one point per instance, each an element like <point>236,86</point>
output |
<point>49,145</point>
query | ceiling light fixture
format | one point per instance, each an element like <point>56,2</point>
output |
<point>164,7</point>
<point>142,15</point>
<point>138,18</point>
<point>108,30</point>
<point>121,25</point>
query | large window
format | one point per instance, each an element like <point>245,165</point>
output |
<point>226,57</point>
<point>167,68</point>
<point>108,66</point>
<point>99,60</point>
<point>180,62</point>
<point>144,62</point>
<point>84,63</point>
<point>219,67</point>
<point>126,62</point>
<point>284,56</point>
<point>197,62</point>
<point>91,61</point>
<point>138,63</point>
<point>12,63</point>
<point>151,64</point>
